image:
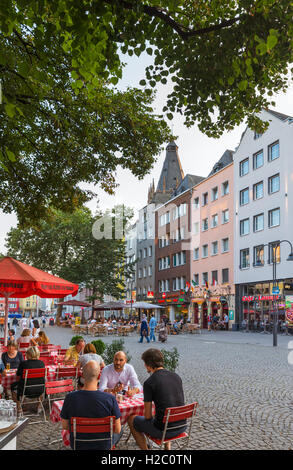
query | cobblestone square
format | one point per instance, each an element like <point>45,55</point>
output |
<point>243,385</point>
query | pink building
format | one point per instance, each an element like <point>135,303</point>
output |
<point>212,248</point>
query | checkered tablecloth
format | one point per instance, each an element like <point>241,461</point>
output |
<point>130,406</point>
<point>11,375</point>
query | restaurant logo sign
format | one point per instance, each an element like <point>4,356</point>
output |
<point>253,298</point>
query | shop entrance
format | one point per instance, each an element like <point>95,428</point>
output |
<point>204,315</point>
<point>195,313</point>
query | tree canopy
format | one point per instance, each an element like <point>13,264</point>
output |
<point>66,247</point>
<point>64,123</point>
<point>223,56</point>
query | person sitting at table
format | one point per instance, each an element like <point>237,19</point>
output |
<point>120,376</point>
<point>32,362</point>
<point>91,403</point>
<point>11,334</point>
<point>164,388</point>
<point>26,338</point>
<point>74,352</point>
<point>12,356</point>
<point>42,339</point>
<point>89,354</point>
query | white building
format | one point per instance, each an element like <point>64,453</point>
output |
<point>263,202</point>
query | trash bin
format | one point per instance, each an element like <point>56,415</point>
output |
<point>51,322</point>
<point>235,327</point>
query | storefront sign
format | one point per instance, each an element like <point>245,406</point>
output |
<point>253,298</point>
<point>223,299</point>
<point>288,286</point>
<point>231,314</point>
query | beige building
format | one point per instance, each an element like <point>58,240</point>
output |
<point>29,305</point>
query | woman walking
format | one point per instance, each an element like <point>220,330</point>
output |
<point>144,330</point>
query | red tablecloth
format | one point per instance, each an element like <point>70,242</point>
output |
<point>130,406</point>
<point>11,375</point>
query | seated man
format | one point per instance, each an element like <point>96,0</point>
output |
<point>164,388</point>
<point>91,403</point>
<point>73,353</point>
<point>120,376</point>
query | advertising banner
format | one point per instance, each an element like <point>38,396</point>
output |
<point>289,308</point>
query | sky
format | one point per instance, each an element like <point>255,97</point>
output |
<point>197,152</point>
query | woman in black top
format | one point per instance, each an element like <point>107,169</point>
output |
<point>32,362</point>
<point>12,357</point>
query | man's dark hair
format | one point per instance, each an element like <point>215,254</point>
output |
<point>153,358</point>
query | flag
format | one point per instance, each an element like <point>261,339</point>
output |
<point>207,285</point>
<point>214,282</point>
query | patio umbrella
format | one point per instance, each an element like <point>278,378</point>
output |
<point>75,303</point>
<point>21,280</point>
<point>145,305</point>
<point>111,306</point>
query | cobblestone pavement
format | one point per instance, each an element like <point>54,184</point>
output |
<point>244,387</point>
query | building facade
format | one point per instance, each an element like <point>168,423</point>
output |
<point>263,201</point>
<point>212,245</point>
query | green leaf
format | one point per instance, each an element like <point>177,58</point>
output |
<point>243,85</point>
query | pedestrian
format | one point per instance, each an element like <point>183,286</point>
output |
<point>226,321</point>
<point>44,321</point>
<point>152,325</point>
<point>209,322</point>
<point>144,330</point>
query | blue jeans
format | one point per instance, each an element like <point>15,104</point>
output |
<point>141,338</point>
<point>152,334</point>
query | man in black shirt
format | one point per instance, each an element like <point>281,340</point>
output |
<point>164,388</point>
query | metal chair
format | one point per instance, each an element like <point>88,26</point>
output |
<point>55,388</point>
<point>28,389</point>
<point>93,426</point>
<point>173,415</point>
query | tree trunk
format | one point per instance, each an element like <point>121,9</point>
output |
<point>59,312</point>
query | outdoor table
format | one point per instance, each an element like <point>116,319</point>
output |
<point>8,439</point>
<point>8,380</point>
<point>130,406</point>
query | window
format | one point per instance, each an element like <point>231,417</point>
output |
<point>150,250</point>
<point>274,218</point>
<point>257,160</point>
<point>140,254</point>
<point>273,151</point>
<point>205,251</point>
<point>205,278</point>
<point>140,273</point>
<point>244,227</point>
<point>145,252</point>
<point>215,193</point>
<point>150,270</point>
<point>196,279</point>
<point>205,198</point>
<point>225,245</point>
<point>214,248</point>
<point>205,224</point>
<point>258,222</point>
<point>196,228</point>
<point>258,190</point>
<point>165,219</point>
<point>274,184</point>
<point>225,216</point>
<point>214,220</point>
<point>244,167</point>
<point>225,275</point>
<point>174,284</point>
<point>196,203</point>
<point>244,196</point>
<point>258,255</point>
<point>144,272</point>
<point>225,188</point>
<point>244,258</point>
<point>196,253</point>
<point>167,286</point>
<point>214,277</point>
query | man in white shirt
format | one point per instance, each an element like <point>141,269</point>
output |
<point>120,376</point>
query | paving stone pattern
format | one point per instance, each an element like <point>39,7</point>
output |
<point>244,387</point>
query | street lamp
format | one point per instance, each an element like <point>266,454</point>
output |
<point>274,247</point>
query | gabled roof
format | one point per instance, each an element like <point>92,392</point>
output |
<point>188,182</point>
<point>225,160</point>
<point>280,116</point>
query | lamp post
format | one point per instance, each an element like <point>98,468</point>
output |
<point>274,247</point>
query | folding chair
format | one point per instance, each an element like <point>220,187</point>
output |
<point>56,387</point>
<point>67,372</point>
<point>173,415</point>
<point>33,374</point>
<point>47,360</point>
<point>93,426</point>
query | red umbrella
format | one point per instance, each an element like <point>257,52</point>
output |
<point>21,280</point>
